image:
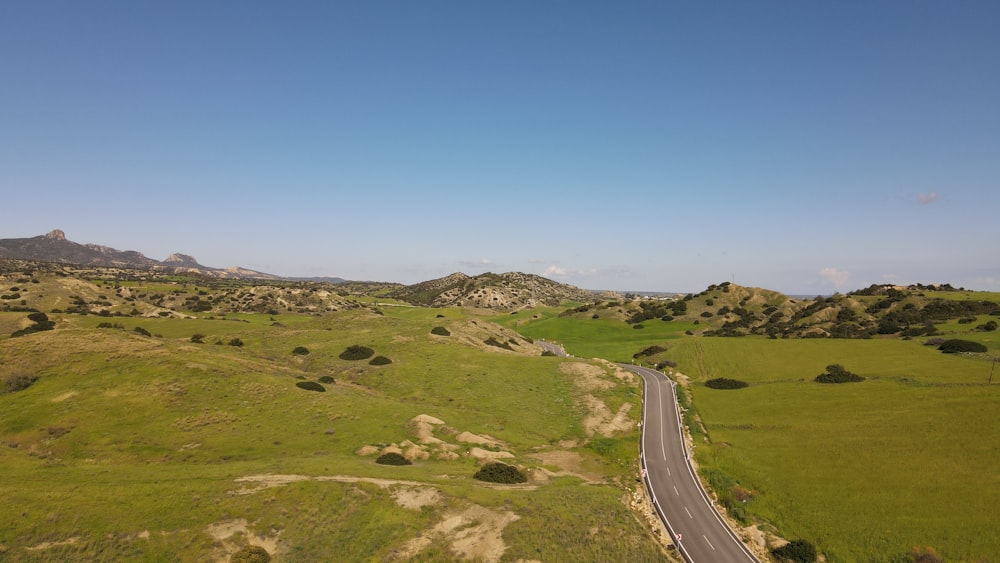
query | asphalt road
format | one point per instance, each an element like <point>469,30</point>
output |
<point>699,533</point>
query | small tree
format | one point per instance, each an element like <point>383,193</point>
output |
<point>835,373</point>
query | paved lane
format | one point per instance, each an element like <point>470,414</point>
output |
<point>699,532</point>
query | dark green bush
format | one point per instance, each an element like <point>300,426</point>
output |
<point>496,472</point>
<point>379,361</point>
<point>301,351</point>
<point>440,331</point>
<point>198,338</point>
<point>327,379</point>
<point>955,346</point>
<point>649,351</point>
<point>706,314</point>
<point>142,331</point>
<point>835,373</point>
<point>798,551</point>
<point>310,386</point>
<point>356,352</point>
<point>723,383</point>
<point>235,342</point>
<point>251,554</point>
<point>393,458</point>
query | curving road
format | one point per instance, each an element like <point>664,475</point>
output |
<point>698,531</point>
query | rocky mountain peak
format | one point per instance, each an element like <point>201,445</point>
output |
<point>55,234</point>
<point>177,259</point>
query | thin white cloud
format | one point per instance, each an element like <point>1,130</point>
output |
<point>837,277</point>
<point>927,198</point>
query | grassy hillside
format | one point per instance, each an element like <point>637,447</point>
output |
<point>137,441</point>
<point>899,464</point>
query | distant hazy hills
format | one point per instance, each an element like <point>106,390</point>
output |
<point>54,247</point>
<point>506,291</point>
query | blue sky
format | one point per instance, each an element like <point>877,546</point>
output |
<point>805,147</point>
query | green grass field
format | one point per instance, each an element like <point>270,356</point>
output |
<point>130,447</point>
<point>865,471</point>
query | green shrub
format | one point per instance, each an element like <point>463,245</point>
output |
<point>235,342</point>
<point>393,458</point>
<point>356,352</point>
<point>798,551</point>
<point>496,472</point>
<point>310,386</point>
<point>301,351</point>
<point>198,338</point>
<point>142,331</point>
<point>955,346</point>
<point>835,373</point>
<point>440,331</point>
<point>650,351</point>
<point>327,379</point>
<point>18,382</point>
<point>638,326</point>
<point>379,361</point>
<point>251,554</point>
<point>723,383</point>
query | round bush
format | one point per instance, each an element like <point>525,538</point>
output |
<point>379,361</point>
<point>723,383</point>
<point>955,346</point>
<point>310,386</point>
<point>251,554</point>
<point>356,352</point>
<point>798,551</point>
<point>496,472</point>
<point>440,331</point>
<point>393,458</point>
<point>301,351</point>
<point>836,373</point>
<point>327,379</point>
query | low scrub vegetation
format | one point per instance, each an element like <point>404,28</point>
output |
<point>835,373</point>
<point>310,386</point>
<point>392,458</point>
<point>796,551</point>
<point>957,346</point>
<point>496,472</point>
<point>379,361</point>
<point>356,352</point>
<point>300,351</point>
<point>18,382</point>
<point>440,331</point>
<point>725,383</point>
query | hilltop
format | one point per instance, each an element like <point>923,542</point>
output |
<point>508,291</point>
<point>727,309</point>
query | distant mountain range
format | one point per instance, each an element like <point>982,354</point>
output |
<point>507,291</point>
<point>55,247</point>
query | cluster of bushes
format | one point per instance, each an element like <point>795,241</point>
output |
<point>496,472</point>
<point>494,342</point>
<point>724,383</point>
<point>956,346</point>
<point>40,322</point>
<point>835,373</point>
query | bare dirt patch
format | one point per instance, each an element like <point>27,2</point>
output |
<point>599,419</point>
<point>475,533</point>
<point>234,534</point>
<point>586,376</point>
<point>415,498</point>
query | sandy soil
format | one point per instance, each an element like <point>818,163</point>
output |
<point>475,533</point>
